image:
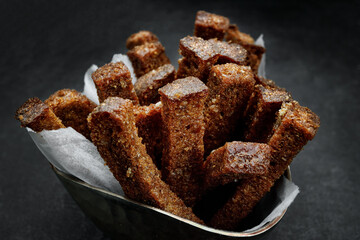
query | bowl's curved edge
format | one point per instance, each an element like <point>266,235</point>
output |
<point>262,230</point>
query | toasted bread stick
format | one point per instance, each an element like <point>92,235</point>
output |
<point>147,57</point>
<point>230,53</point>
<point>230,87</point>
<point>236,160</point>
<point>38,116</point>
<point>200,56</point>
<point>140,38</point>
<point>183,104</point>
<point>255,51</point>
<point>261,112</point>
<point>146,87</point>
<point>114,80</point>
<point>209,25</point>
<point>150,124</point>
<point>72,108</point>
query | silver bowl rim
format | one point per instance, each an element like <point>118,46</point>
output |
<point>262,230</point>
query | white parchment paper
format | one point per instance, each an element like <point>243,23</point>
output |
<point>286,193</point>
<point>72,153</point>
<point>261,71</point>
<point>125,59</point>
<point>89,85</point>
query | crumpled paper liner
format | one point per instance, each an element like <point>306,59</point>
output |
<point>72,153</point>
<point>286,192</point>
<point>261,71</point>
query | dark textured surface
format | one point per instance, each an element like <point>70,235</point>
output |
<point>312,51</point>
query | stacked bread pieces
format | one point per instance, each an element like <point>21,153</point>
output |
<point>176,137</point>
<point>114,132</point>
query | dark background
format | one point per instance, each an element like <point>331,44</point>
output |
<point>312,50</point>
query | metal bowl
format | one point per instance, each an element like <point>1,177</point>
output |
<point>120,217</point>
